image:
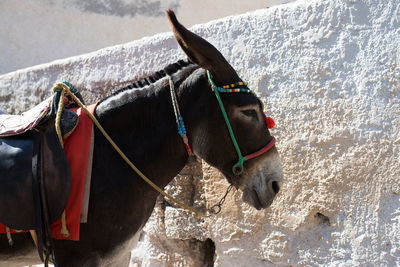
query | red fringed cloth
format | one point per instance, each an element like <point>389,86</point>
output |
<point>77,148</point>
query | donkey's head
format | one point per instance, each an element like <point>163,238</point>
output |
<point>246,154</point>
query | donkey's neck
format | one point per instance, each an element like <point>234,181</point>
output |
<point>142,123</point>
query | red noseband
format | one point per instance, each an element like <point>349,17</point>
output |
<point>262,150</point>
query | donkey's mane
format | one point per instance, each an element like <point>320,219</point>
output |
<point>158,75</point>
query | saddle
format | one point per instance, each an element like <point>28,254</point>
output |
<point>29,150</point>
<point>35,177</point>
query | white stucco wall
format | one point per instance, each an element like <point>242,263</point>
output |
<point>38,31</point>
<point>329,74</point>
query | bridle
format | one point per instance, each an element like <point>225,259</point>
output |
<point>238,168</point>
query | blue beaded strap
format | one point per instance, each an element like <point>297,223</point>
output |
<point>179,119</point>
<point>181,125</point>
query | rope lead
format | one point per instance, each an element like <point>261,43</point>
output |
<point>64,90</point>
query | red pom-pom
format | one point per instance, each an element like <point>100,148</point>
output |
<point>270,122</point>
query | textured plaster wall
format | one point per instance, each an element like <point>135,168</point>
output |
<point>328,72</point>
<point>38,31</point>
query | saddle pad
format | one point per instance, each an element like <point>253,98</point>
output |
<point>18,124</point>
<point>76,147</point>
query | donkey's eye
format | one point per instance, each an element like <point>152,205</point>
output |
<point>251,113</point>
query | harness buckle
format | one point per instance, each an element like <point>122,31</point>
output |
<point>238,168</point>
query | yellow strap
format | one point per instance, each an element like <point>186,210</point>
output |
<point>64,230</point>
<point>34,237</point>
<point>58,118</point>
<point>67,91</point>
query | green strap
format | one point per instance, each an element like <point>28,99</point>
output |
<point>237,169</point>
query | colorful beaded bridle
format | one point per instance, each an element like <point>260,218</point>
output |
<point>238,168</point>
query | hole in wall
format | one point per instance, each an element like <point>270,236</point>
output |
<point>322,219</point>
<point>209,255</point>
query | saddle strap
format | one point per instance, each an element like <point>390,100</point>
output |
<point>48,240</point>
<point>36,195</point>
<point>44,240</point>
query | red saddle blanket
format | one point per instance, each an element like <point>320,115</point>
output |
<point>77,148</point>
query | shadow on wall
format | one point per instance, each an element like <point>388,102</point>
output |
<point>124,9</point>
<point>95,24</point>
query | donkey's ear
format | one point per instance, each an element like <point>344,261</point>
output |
<point>202,53</point>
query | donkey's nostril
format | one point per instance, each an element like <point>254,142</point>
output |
<point>275,187</point>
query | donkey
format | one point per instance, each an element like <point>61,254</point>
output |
<point>142,123</point>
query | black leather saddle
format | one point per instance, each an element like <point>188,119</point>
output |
<point>35,154</point>
<point>35,177</point>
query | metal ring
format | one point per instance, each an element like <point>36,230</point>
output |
<point>215,209</point>
<point>237,169</point>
